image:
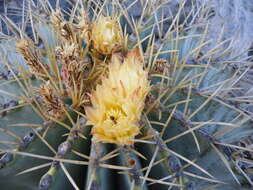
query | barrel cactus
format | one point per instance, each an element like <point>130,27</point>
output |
<point>97,99</point>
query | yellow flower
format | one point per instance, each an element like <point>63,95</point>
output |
<point>119,100</point>
<point>106,35</point>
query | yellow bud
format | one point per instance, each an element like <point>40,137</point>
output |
<point>106,35</point>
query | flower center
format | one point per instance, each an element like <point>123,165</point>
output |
<point>112,118</point>
<point>114,115</point>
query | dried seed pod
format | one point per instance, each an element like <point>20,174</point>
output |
<point>57,18</point>
<point>84,27</point>
<point>73,64</point>
<point>32,57</point>
<point>160,66</point>
<point>64,28</point>
<point>66,32</point>
<point>52,102</point>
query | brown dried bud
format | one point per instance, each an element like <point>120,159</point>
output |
<point>73,64</point>
<point>57,18</point>
<point>66,32</point>
<point>84,27</point>
<point>160,66</point>
<point>64,28</point>
<point>54,105</point>
<point>32,57</point>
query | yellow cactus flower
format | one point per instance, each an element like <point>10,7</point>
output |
<point>106,35</point>
<point>119,100</point>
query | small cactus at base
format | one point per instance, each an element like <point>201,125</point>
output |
<point>95,100</point>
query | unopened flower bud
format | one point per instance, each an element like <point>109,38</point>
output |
<point>106,35</point>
